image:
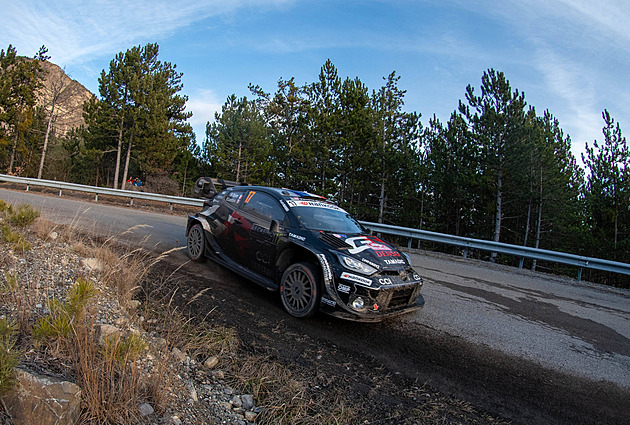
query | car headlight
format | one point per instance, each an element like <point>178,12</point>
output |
<point>357,266</point>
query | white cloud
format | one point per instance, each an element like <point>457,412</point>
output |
<point>573,86</point>
<point>74,30</point>
<point>203,104</point>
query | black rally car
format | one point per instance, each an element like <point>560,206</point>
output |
<point>313,252</point>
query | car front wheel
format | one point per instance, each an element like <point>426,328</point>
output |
<point>196,243</point>
<point>300,290</point>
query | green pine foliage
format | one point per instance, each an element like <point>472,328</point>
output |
<point>58,326</point>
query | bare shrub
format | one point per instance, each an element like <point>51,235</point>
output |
<point>161,183</point>
<point>18,299</point>
<point>43,228</point>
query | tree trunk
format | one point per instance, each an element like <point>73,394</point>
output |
<point>119,153</point>
<point>539,223</point>
<point>124,180</point>
<point>48,126</point>
<point>15,141</point>
<point>382,201</point>
<point>499,213</point>
<point>238,163</point>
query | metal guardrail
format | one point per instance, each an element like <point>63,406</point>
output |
<point>466,243</point>
<point>503,248</point>
<point>131,194</point>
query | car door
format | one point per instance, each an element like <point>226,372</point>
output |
<point>258,210</point>
<point>231,235</point>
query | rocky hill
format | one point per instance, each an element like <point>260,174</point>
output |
<point>67,95</point>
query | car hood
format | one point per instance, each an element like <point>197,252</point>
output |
<point>367,248</point>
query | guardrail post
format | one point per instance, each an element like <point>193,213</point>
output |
<point>59,192</point>
<point>27,187</point>
<point>131,202</point>
<point>465,252</point>
<point>579,274</point>
<point>409,243</point>
<point>520,263</point>
<point>96,197</point>
<point>171,205</point>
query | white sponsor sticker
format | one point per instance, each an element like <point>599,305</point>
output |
<point>314,204</point>
<point>398,261</point>
<point>343,288</point>
<point>328,302</point>
<point>355,278</point>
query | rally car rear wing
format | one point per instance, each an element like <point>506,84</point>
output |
<point>206,187</point>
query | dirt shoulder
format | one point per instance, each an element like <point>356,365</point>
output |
<point>398,372</point>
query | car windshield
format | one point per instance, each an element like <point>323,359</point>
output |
<point>317,215</point>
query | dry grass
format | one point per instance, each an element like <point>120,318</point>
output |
<point>285,396</point>
<point>108,370</point>
<point>110,388</point>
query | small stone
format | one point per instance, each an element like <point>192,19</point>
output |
<point>236,401</point>
<point>107,331</point>
<point>211,362</point>
<point>53,235</point>
<point>134,304</point>
<point>174,420</point>
<point>248,401</point>
<point>178,354</point>
<point>193,392</point>
<point>145,409</point>
<point>226,405</point>
<point>250,416</point>
<point>93,264</point>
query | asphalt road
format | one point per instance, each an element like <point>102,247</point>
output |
<point>574,328</point>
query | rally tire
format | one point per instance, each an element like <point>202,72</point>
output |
<point>300,290</point>
<point>197,243</point>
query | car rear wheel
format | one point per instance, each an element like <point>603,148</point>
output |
<point>196,243</point>
<point>300,290</point>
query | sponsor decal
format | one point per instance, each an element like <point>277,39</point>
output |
<point>416,277</point>
<point>397,261</point>
<point>325,268</point>
<point>263,234</point>
<point>262,257</point>
<point>250,195</point>
<point>298,237</point>
<point>385,281</point>
<point>328,302</point>
<point>284,205</point>
<point>370,263</point>
<point>390,253</point>
<point>362,243</point>
<point>315,204</point>
<point>343,288</point>
<point>354,278</point>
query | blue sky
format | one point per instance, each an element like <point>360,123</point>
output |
<point>571,57</point>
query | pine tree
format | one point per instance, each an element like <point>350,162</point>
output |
<point>497,118</point>
<point>607,192</point>
<point>139,107</point>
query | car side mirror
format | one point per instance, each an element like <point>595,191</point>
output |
<point>274,227</point>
